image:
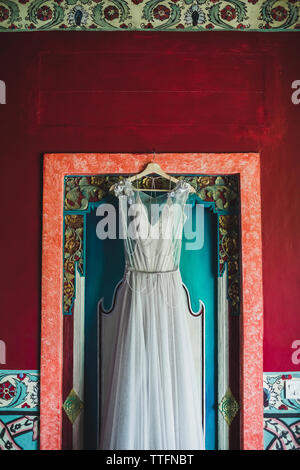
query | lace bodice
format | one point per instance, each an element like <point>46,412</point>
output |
<point>152,226</point>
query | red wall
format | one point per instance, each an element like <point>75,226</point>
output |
<point>139,92</point>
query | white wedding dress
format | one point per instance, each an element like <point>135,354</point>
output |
<point>150,394</point>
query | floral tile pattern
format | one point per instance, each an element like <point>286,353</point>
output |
<point>281,433</point>
<point>274,385</point>
<point>19,391</point>
<point>139,15</point>
<point>19,432</point>
<point>281,415</point>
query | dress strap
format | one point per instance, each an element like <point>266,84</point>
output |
<point>182,187</point>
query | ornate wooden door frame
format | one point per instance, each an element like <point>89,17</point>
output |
<point>56,167</point>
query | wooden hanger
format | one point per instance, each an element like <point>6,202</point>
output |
<point>151,168</point>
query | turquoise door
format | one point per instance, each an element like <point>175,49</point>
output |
<point>199,274</point>
<point>104,269</point>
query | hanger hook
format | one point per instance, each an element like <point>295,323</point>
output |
<point>154,156</point>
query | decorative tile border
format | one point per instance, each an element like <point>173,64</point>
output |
<point>282,433</point>
<point>19,391</point>
<point>19,432</point>
<point>19,409</point>
<point>281,415</point>
<point>139,15</point>
<point>274,393</point>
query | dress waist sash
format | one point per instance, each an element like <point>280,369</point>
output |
<point>129,268</point>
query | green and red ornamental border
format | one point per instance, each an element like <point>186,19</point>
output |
<point>139,15</point>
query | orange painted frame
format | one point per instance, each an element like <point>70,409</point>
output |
<point>56,166</point>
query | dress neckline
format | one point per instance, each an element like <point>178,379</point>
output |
<point>160,216</point>
<point>153,198</point>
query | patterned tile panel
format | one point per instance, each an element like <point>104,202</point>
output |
<point>281,414</point>
<point>18,432</point>
<point>149,15</point>
<point>19,391</point>
<point>274,388</point>
<point>281,433</point>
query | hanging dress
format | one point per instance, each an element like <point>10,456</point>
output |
<point>150,390</point>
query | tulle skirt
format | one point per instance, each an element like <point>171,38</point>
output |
<point>150,391</point>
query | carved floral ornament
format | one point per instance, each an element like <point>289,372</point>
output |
<point>137,15</point>
<point>220,193</point>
